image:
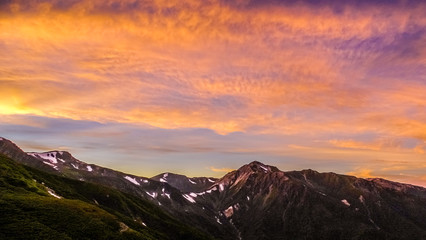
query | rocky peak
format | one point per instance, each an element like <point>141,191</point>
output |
<point>258,167</point>
<point>11,150</point>
<point>248,172</point>
<point>8,145</point>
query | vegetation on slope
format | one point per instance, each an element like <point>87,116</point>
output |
<point>84,211</point>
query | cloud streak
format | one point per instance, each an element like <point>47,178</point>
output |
<point>221,170</point>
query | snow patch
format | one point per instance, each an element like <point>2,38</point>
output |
<point>210,180</point>
<point>165,175</point>
<point>191,181</point>
<point>344,201</point>
<point>221,187</point>
<point>248,198</point>
<point>361,198</point>
<point>164,193</point>
<point>217,220</point>
<point>132,180</point>
<point>199,194</point>
<point>145,181</point>
<point>153,194</point>
<point>236,206</point>
<point>264,168</point>
<point>123,227</point>
<point>89,168</point>
<point>74,166</point>
<point>187,197</point>
<point>213,189</point>
<point>50,164</point>
<point>229,212</point>
<point>49,156</point>
<point>163,180</point>
<point>51,192</point>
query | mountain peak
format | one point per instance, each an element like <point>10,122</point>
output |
<point>7,141</point>
<point>257,166</point>
<point>54,155</point>
<point>251,172</point>
<point>256,163</point>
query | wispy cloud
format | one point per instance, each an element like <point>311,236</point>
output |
<point>223,170</point>
<point>377,145</point>
<point>301,71</point>
<point>110,63</point>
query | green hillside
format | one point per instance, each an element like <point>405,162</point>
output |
<point>83,211</point>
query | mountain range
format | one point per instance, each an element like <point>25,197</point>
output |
<point>52,195</point>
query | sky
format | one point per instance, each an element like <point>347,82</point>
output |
<point>201,87</point>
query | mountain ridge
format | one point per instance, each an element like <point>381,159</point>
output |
<point>259,201</point>
<point>39,205</point>
<point>255,162</point>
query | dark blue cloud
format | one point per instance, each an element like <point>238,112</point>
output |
<point>320,3</point>
<point>151,7</point>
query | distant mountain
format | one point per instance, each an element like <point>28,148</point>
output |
<point>173,201</point>
<point>38,205</point>
<point>263,202</point>
<point>256,201</point>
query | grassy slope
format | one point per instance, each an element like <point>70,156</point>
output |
<point>86,211</point>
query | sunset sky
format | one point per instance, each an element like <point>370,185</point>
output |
<point>200,87</point>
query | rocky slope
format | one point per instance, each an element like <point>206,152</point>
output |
<point>177,203</point>
<point>259,201</point>
<point>263,202</point>
<point>39,205</point>
<point>185,184</point>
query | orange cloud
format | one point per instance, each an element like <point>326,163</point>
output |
<point>225,170</point>
<point>292,71</point>
<point>368,173</point>
<point>362,173</point>
<point>94,58</point>
<point>381,144</point>
<point>420,148</point>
